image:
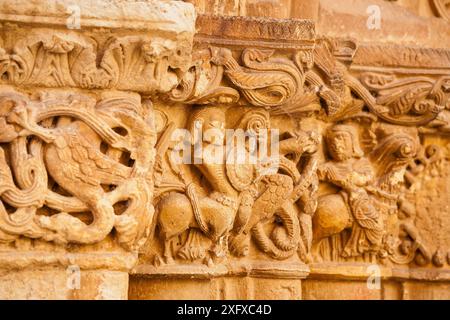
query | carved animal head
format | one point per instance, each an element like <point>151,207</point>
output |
<point>209,123</point>
<point>310,141</point>
<point>18,115</point>
<point>154,50</point>
<point>392,155</point>
<point>220,56</point>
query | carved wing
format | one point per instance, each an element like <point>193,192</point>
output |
<point>95,167</point>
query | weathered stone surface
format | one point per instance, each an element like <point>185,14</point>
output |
<point>235,149</point>
<point>397,25</point>
<point>77,138</point>
<point>150,15</point>
<point>56,284</point>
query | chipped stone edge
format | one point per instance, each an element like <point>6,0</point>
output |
<point>171,16</point>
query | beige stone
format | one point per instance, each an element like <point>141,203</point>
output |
<point>238,149</point>
<point>54,284</point>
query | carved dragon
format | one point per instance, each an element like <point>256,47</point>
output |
<point>60,138</point>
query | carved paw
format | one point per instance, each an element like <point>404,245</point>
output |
<point>158,261</point>
<point>191,253</point>
<point>240,245</point>
<point>126,227</point>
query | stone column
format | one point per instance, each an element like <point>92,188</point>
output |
<point>242,154</point>
<point>350,206</point>
<point>77,139</point>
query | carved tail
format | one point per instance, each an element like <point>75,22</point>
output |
<point>285,240</point>
<point>70,229</point>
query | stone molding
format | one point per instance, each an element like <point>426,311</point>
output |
<point>87,116</point>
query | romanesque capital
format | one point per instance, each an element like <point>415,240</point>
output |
<point>232,149</point>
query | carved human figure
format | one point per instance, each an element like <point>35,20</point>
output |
<point>212,214</point>
<point>237,198</point>
<point>352,173</point>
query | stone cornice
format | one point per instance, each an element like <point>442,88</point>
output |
<point>255,32</point>
<point>278,270</point>
<point>22,260</point>
<point>152,15</point>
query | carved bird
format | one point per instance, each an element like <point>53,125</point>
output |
<point>88,164</point>
<point>74,159</point>
<point>75,150</point>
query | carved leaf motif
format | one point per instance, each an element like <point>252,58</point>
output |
<point>410,101</point>
<point>54,59</point>
<point>264,81</point>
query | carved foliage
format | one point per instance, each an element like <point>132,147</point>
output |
<point>237,201</point>
<point>262,80</point>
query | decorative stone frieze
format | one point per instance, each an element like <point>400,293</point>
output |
<point>223,156</point>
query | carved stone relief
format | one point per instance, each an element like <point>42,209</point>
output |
<point>348,141</point>
<point>53,59</point>
<point>226,205</point>
<point>75,167</point>
<point>257,148</point>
